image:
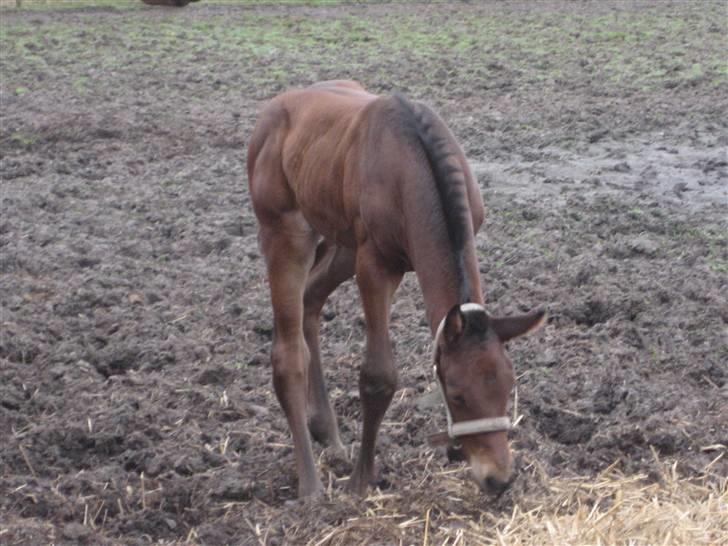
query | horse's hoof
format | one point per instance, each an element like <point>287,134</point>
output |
<point>324,432</point>
<point>335,453</point>
<point>357,486</point>
<point>310,492</point>
<point>356,490</point>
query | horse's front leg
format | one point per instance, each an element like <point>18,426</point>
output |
<point>333,266</point>
<point>378,376</point>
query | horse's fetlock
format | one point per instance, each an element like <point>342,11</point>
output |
<point>320,426</point>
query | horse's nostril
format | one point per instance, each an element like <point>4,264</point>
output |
<point>455,454</point>
<point>494,486</point>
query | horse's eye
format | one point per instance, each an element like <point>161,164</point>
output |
<point>458,400</point>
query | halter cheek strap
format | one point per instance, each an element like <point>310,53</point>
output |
<point>462,428</point>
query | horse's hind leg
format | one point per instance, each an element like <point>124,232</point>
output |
<point>289,246</point>
<point>333,266</point>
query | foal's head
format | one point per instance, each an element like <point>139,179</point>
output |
<point>477,377</point>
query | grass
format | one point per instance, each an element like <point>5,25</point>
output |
<point>715,242</point>
<point>129,4</point>
<point>470,53</point>
<point>533,47</point>
<point>23,140</point>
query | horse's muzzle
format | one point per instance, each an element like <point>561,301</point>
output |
<point>493,486</point>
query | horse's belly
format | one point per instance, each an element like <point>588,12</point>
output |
<point>325,212</point>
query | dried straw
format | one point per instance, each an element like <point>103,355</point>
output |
<point>612,508</point>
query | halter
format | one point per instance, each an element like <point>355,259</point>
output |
<point>472,426</point>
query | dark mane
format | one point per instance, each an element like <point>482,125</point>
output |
<point>449,179</point>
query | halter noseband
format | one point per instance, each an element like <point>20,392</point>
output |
<point>472,426</point>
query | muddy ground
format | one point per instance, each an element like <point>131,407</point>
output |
<point>135,389</point>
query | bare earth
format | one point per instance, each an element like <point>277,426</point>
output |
<point>136,402</point>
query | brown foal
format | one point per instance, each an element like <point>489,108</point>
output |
<point>344,183</point>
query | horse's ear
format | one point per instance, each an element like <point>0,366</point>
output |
<point>454,325</point>
<point>509,327</point>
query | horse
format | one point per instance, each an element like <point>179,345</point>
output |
<point>347,183</point>
<point>172,3</point>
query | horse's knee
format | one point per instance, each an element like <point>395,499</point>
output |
<point>378,383</point>
<point>290,363</point>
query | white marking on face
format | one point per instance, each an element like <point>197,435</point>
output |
<point>465,308</point>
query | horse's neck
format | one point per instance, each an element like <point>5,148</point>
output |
<point>435,260</point>
<point>438,281</point>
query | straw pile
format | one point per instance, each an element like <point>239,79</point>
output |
<point>617,509</point>
<point>612,508</point>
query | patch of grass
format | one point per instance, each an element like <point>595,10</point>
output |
<point>536,48</point>
<point>471,53</point>
<point>53,5</point>
<point>23,140</point>
<point>80,84</point>
<point>711,240</point>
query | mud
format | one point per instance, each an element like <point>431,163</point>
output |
<point>135,391</point>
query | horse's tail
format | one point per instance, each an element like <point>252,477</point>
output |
<point>444,158</point>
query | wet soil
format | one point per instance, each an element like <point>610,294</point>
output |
<point>136,403</point>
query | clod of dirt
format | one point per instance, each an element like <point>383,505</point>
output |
<point>596,136</point>
<point>565,428</point>
<point>621,167</point>
<point>643,245</point>
<point>12,397</point>
<point>235,229</point>
<point>592,311</point>
<point>546,359</point>
<point>709,372</point>
<point>607,397</point>
<point>585,274</point>
<point>189,464</point>
<point>231,486</point>
<point>117,361</point>
<point>76,532</point>
<point>215,376</point>
<point>665,442</point>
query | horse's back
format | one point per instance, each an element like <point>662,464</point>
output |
<point>297,153</point>
<point>301,117</point>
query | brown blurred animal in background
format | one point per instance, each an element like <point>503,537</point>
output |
<point>173,3</point>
